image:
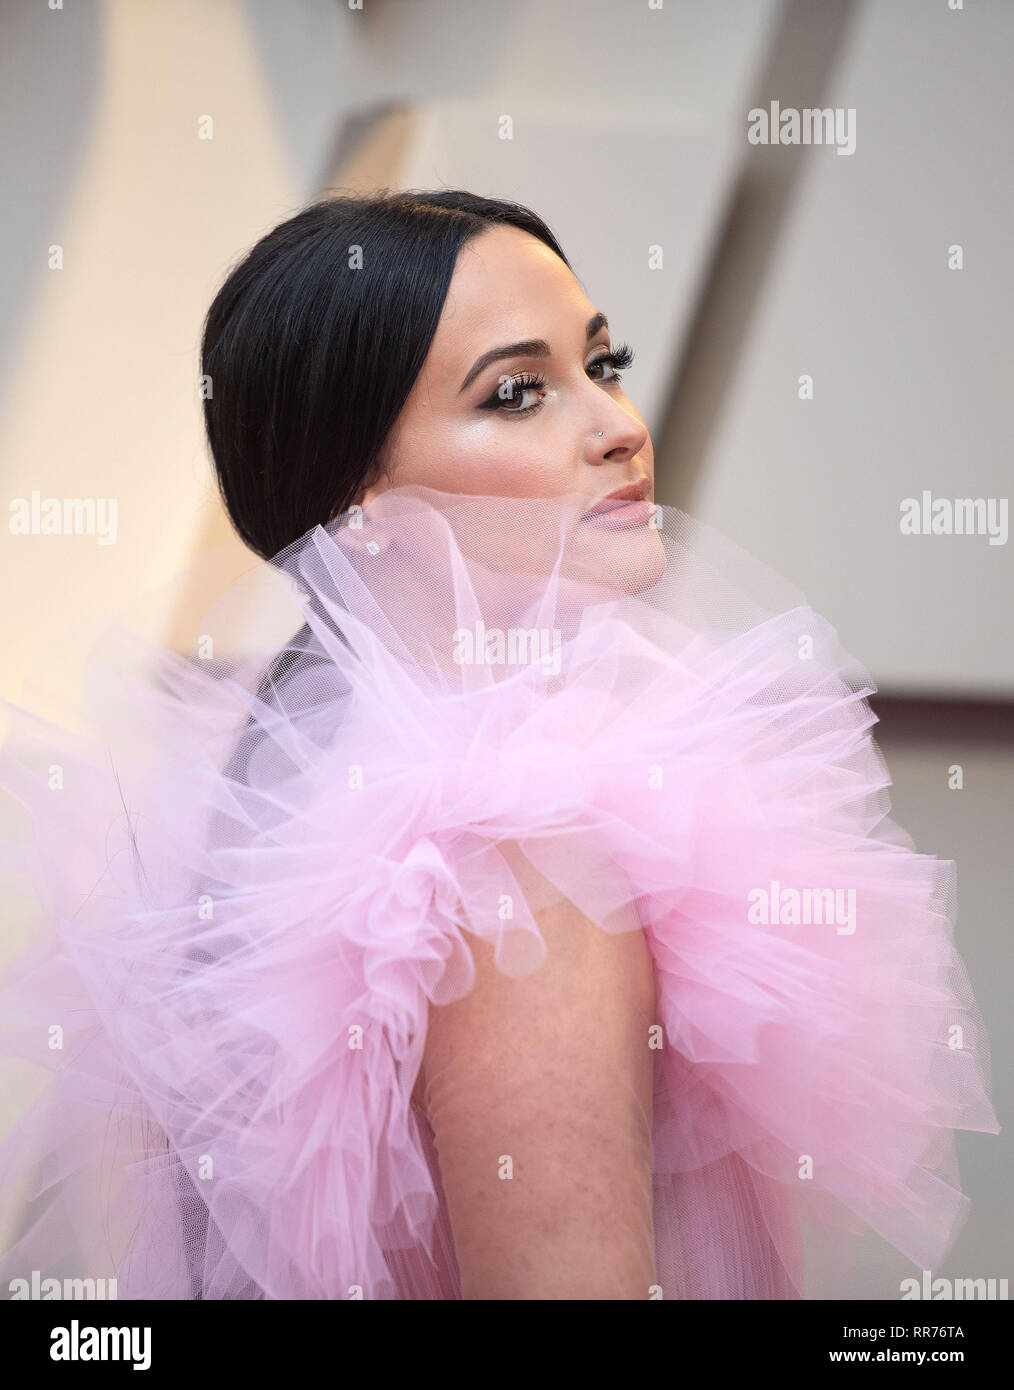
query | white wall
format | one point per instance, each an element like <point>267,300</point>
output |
<point>911,361</point>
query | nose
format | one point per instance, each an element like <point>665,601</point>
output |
<point>618,434</point>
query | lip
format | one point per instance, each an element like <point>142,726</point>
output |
<point>626,506</point>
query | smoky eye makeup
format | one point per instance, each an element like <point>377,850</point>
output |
<point>513,389</point>
<point>512,392</point>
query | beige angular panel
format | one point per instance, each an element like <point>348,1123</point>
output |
<point>101,402</point>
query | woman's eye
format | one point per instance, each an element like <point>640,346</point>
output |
<point>517,395</point>
<point>522,394</point>
<point>617,361</point>
<point>603,362</point>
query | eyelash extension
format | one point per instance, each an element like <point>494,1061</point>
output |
<point>619,359</point>
<point>521,382</point>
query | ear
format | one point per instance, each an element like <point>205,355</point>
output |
<point>359,533</point>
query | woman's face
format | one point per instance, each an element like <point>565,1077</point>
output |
<point>518,399</point>
<point>543,419</point>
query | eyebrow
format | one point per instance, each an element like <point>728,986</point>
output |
<point>528,347</point>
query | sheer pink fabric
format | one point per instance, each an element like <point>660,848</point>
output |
<point>258,872</point>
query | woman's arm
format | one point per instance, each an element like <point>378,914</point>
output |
<point>539,1092</point>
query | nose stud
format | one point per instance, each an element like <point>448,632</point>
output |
<point>600,434</point>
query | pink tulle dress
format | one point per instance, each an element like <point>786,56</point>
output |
<point>263,861</point>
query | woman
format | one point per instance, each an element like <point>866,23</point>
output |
<point>531,925</point>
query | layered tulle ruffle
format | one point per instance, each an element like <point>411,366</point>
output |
<point>267,861</point>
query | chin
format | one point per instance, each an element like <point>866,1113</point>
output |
<point>612,562</point>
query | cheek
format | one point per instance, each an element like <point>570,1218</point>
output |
<point>511,458</point>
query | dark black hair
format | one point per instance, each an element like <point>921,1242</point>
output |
<point>313,343</point>
<point>311,348</point>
